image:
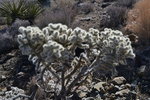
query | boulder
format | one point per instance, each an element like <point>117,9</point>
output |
<point>119,80</point>
<point>122,92</point>
<point>100,86</point>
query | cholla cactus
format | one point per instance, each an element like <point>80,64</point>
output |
<point>52,50</point>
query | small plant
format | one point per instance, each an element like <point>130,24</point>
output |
<point>19,9</point>
<point>32,11</point>
<point>52,50</point>
<point>12,9</point>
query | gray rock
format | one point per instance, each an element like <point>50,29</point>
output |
<point>2,20</point>
<point>119,80</point>
<point>100,86</point>
<point>117,87</point>
<point>14,92</point>
<point>86,19</point>
<point>128,85</point>
<point>122,92</point>
<point>85,8</point>
<point>142,69</point>
<point>122,86</point>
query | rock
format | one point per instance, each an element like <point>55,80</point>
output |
<point>100,86</point>
<point>82,91</point>
<point>142,70</point>
<point>9,95</point>
<point>133,38</point>
<point>109,0</point>
<point>142,66</point>
<point>119,80</point>
<point>142,62</point>
<point>2,20</point>
<point>3,77</point>
<point>112,96</point>
<point>127,71</point>
<point>7,43</point>
<point>107,87</point>
<point>122,92</point>
<point>106,95</point>
<point>98,1</point>
<point>134,94</point>
<point>117,87</point>
<point>122,86</point>
<point>91,98</point>
<point>86,19</point>
<point>83,88</point>
<point>16,67</point>
<point>85,8</point>
<point>53,3</point>
<point>113,89</point>
<point>45,3</point>
<point>13,29</point>
<point>82,94</point>
<point>8,36</point>
<point>105,4</point>
<point>128,85</point>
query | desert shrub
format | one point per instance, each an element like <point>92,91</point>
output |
<point>7,43</point>
<point>138,20</point>
<point>50,16</point>
<point>13,29</point>
<point>113,17</point>
<point>11,9</point>
<point>22,9</point>
<point>8,36</point>
<point>32,11</point>
<point>64,12</point>
<point>53,51</point>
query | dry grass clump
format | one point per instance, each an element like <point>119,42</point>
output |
<point>139,21</point>
<point>63,11</point>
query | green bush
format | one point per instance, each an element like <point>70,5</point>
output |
<point>31,12</point>
<point>19,9</point>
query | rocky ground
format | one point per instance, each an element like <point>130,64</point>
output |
<point>132,82</point>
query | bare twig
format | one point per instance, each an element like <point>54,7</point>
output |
<point>75,69</point>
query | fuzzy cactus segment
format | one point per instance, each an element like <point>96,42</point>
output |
<point>55,40</point>
<point>31,38</point>
<point>115,46</point>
